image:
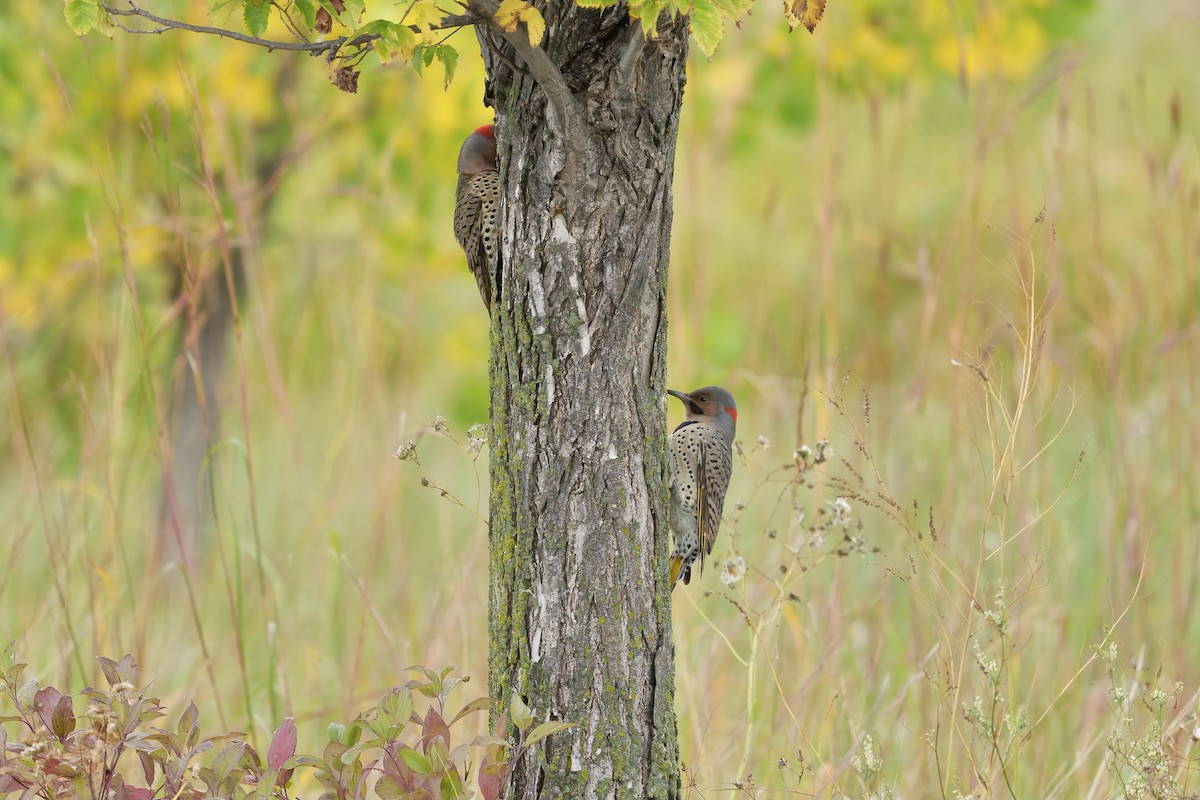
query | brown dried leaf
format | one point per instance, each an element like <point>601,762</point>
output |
<point>803,12</point>
<point>346,79</point>
<point>324,23</point>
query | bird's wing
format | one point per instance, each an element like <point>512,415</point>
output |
<point>474,228</point>
<point>715,462</point>
<point>708,501</point>
<point>466,210</point>
<point>481,268</point>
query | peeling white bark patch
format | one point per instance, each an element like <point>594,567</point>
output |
<point>539,622</point>
<point>549,385</point>
<point>537,297</point>
<point>576,764</point>
<point>585,331</point>
<point>612,452</point>
<point>560,233</point>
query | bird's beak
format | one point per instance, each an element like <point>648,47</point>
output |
<point>681,395</point>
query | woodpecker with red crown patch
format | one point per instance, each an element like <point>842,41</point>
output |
<point>477,209</point>
<point>700,461</point>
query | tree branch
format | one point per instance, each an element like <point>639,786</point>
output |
<point>330,46</point>
<point>541,67</point>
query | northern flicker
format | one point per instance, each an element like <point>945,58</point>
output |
<point>477,208</point>
<point>700,461</point>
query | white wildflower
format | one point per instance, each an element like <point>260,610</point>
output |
<point>733,570</point>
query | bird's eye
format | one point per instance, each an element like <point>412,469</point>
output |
<point>703,398</point>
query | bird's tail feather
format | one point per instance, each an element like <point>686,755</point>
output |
<point>676,570</point>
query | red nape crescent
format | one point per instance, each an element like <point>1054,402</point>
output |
<point>731,411</point>
<point>488,130</point>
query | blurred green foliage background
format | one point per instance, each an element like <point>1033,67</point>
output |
<point>856,213</point>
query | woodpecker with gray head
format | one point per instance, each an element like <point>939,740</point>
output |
<point>477,208</point>
<point>700,460</point>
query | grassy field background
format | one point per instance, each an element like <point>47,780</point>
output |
<point>969,261</point>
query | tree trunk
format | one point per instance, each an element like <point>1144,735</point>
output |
<point>194,414</point>
<point>205,332</point>
<point>580,604</point>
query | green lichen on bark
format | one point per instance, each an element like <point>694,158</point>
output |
<point>579,602</point>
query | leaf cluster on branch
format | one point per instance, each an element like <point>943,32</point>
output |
<point>419,35</point>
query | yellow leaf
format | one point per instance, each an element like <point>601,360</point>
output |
<point>425,14</point>
<point>512,12</point>
<point>508,14</point>
<point>803,12</point>
<point>535,25</point>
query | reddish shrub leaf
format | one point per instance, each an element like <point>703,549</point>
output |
<point>432,727</point>
<point>283,744</point>
<point>44,703</point>
<point>62,720</point>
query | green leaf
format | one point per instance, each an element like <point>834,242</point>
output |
<point>333,751</point>
<point>734,9</point>
<point>395,40</point>
<point>388,788</point>
<point>479,704</point>
<point>352,12</point>
<point>220,8</point>
<point>25,695</point>
<point>452,785</point>
<point>395,708</point>
<point>438,755</point>
<point>256,15</point>
<point>522,715</point>
<point>307,10</point>
<point>707,26</point>
<point>596,3</point>
<point>417,762</point>
<point>82,15</point>
<point>546,729</point>
<point>188,727</point>
<point>449,58</point>
<point>353,753</point>
<point>648,12</point>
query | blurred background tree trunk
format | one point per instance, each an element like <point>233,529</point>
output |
<point>194,414</point>
<point>210,293</point>
<point>580,623</point>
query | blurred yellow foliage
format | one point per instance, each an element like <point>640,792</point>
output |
<point>893,43</point>
<point>1001,45</point>
<point>868,48</point>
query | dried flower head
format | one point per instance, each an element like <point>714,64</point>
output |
<point>477,438</point>
<point>733,570</point>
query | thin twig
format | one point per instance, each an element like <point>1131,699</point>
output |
<point>327,46</point>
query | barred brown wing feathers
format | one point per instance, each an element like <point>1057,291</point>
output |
<point>475,214</point>
<point>718,462</point>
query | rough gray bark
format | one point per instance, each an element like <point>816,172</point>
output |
<point>580,606</point>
